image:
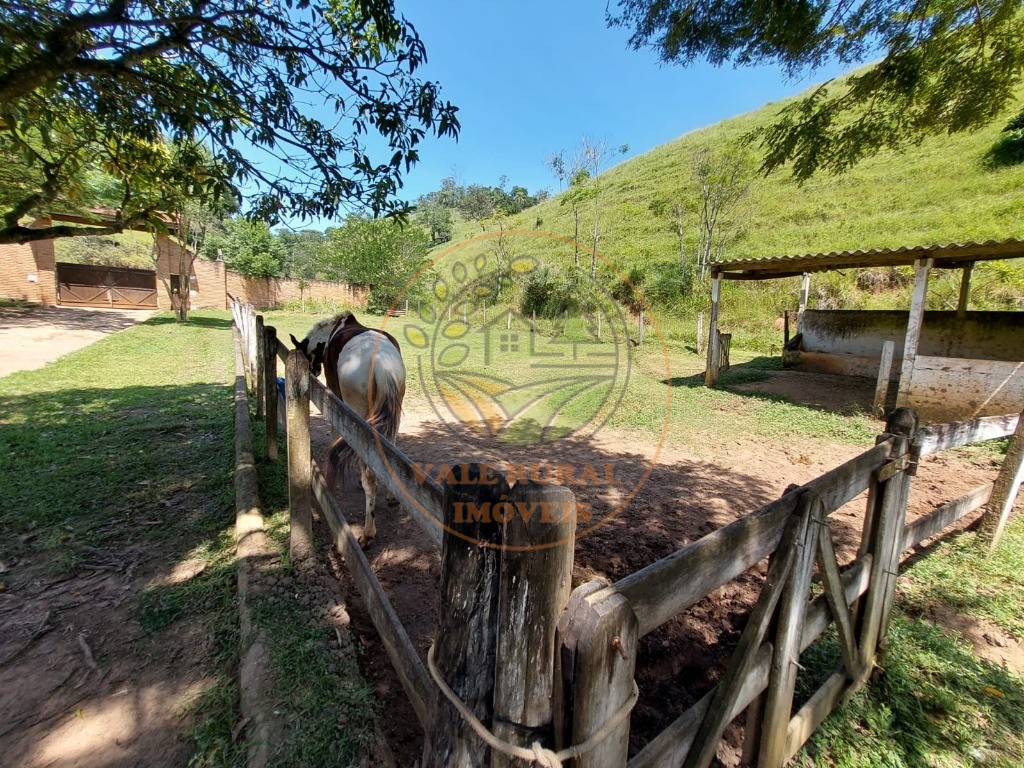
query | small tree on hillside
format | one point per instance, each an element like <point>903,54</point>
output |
<point>593,155</point>
<point>578,193</point>
<point>723,177</point>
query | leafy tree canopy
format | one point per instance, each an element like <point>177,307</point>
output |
<point>947,65</point>
<point>107,83</point>
<point>385,254</point>
<point>246,246</point>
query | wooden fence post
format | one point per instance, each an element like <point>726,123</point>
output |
<point>260,367</point>
<point>1005,489</point>
<point>270,387</point>
<point>700,332</point>
<point>778,704</point>
<point>598,659</point>
<point>467,621</point>
<point>882,385</point>
<point>300,543</point>
<point>536,578</point>
<point>886,536</point>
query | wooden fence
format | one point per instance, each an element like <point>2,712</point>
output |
<point>519,662</point>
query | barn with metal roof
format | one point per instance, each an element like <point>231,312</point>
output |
<point>946,364</point>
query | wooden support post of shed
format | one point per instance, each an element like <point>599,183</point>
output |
<point>1005,489</point>
<point>922,268</point>
<point>882,385</point>
<point>805,295</point>
<point>300,488</point>
<point>965,290</point>
<point>711,372</point>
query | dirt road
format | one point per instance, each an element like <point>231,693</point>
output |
<point>31,337</point>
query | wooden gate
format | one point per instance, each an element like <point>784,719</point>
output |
<point>84,285</point>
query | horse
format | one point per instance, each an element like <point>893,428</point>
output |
<point>364,368</point>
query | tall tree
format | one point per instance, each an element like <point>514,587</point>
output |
<point>947,65</point>
<point>248,247</point>
<point>593,155</point>
<point>723,176</point>
<point>88,83</point>
<point>384,254</point>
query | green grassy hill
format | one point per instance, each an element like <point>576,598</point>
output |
<point>942,190</point>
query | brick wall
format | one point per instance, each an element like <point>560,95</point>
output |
<point>275,291</point>
<point>210,283</point>
<point>20,262</point>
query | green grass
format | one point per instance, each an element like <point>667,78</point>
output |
<point>937,703</point>
<point>942,190</point>
<point>128,443</point>
<point>663,383</point>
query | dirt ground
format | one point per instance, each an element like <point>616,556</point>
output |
<point>31,337</point>
<point>684,498</point>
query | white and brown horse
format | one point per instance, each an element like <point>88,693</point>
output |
<point>364,368</point>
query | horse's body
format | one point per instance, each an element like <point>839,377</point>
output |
<point>364,368</point>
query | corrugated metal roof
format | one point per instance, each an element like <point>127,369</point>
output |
<point>949,255</point>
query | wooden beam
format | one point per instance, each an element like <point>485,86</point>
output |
<point>914,323</point>
<point>940,437</point>
<point>944,516</point>
<point>833,588</point>
<point>805,295</point>
<point>260,368</point>
<point>786,658</point>
<point>882,384</point>
<point>727,693</point>
<point>421,496</point>
<point>711,370</point>
<point>1005,489</point>
<point>406,662</point>
<point>965,289</point>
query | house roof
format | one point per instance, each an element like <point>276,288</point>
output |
<point>948,256</point>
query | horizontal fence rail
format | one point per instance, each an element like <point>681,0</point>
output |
<point>399,647</point>
<point>940,437</point>
<point>597,637</point>
<point>675,583</point>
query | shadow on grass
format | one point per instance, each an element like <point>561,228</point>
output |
<point>199,321</point>
<point>94,479</point>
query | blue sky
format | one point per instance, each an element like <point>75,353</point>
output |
<point>534,77</point>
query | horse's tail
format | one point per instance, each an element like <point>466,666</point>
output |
<point>386,395</point>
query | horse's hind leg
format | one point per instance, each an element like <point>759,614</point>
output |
<point>369,482</point>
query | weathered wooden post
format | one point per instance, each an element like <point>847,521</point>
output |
<point>700,332</point>
<point>598,639</point>
<point>884,532</point>
<point>536,579</point>
<point>300,543</point>
<point>882,385</point>
<point>261,364</point>
<point>711,370</point>
<point>270,387</point>
<point>467,621</point>
<point>915,320</point>
<point>1005,489</point>
<point>778,702</point>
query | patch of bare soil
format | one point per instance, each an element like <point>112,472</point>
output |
<point>683,499</point>
<point>33,336</point>
<point>837,394</point>
<point>81,683</point>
